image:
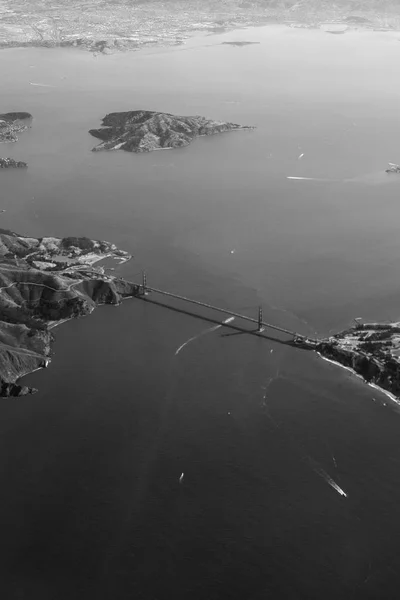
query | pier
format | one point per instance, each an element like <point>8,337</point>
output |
<point>143,289</point>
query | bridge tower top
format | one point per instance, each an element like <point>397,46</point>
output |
<point>144,284</point>
<point>260,327</point>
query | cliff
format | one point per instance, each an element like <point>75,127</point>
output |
<point>372,350</point>
<point>42,282</point>
<point>144,130</point>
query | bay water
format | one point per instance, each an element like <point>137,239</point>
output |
<point>91,505</point>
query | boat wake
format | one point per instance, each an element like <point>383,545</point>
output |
<point>199,335</point>
<point>42,84</point>
<point>324,475</point>
<point>330,481</point>
<point>374,178</point>
<point>314,179</point>
<point>312,463</point>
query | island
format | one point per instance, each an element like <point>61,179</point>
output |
<point>44,282</point>
<point>371,350</point>
<point>10,163</point>
<point>145,130</point>
<point>11,124</point>
<point>239,44</point>
<point>393,168</point>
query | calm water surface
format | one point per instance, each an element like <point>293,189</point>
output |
<point>91,504</point>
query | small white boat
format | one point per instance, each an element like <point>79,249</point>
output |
<point>181,478</point>
<point>229,320</point>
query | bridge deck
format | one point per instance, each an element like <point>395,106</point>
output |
<point>226,311</point>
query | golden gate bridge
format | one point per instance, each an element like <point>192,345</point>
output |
<point>143,289</point>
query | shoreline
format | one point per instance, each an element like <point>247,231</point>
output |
<point>153,25</point>
<point>353,372</point>
<point>83,254</point>
<point>54,324</point>
<point>195,40</point>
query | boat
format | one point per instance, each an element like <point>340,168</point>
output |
<point>229,320</point>
<point>393,168</point>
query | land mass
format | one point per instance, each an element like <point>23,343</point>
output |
<point>372,350</point>
<point>44,282</point>
<point>393,168</point>
<point>118,25</point>
<point>239,44</point>
<point>145,130</point>
<point>10,163</point>
<point>11,124</point>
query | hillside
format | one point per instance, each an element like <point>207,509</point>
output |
<point>43,282</point>
<point>145,130</point>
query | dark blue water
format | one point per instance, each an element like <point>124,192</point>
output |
<point>91,503</point>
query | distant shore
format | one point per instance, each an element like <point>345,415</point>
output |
<point>115,27</point>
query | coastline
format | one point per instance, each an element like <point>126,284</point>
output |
<point>353,372</point>
<point>37,307</point>
<point>102,29</point>
<point>53,325</point>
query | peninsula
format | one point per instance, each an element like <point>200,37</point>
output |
<point>372,350</point>
<point>44,282</point>
<point>145,130</point>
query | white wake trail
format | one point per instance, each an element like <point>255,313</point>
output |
<point>199,335</point>
<point>320,471</point>
<point>42,84</point>
<point>264,403</point>
<point>314,179</point>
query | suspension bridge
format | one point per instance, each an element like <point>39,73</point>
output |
<point>143,289</point>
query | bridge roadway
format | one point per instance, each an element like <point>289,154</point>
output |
<point>222,310</point>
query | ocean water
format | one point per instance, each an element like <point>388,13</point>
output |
<point>91,503</point>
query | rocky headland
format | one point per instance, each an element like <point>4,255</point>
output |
<point>372,350</point>
<point>145,130</point>
<point>10,163</point>
<point>44,282</point>
<point>11,124</point>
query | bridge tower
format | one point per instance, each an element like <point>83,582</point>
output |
<point>144,284</point>
<point>260,327</point>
